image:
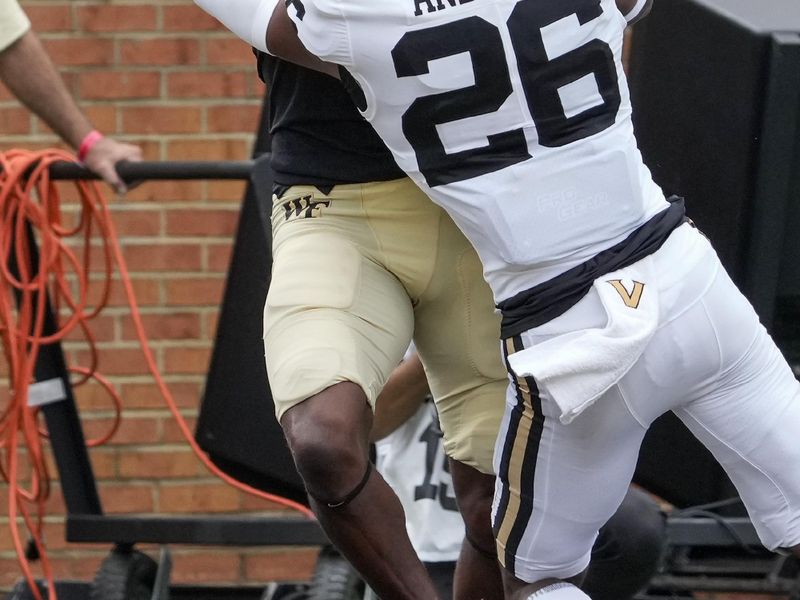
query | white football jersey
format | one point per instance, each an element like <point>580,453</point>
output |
<point>412,461</point>
<point>513,115</point>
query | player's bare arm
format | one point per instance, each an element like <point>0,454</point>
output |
<point>400,398</point>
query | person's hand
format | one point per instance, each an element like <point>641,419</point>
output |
<point>103,157</point>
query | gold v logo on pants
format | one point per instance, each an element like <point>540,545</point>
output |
<point>631,299</point>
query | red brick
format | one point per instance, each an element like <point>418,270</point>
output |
<point>49,17</point>
<point>137,222</point>
<point>101,327</point>
<point>127,498</point>
<point>15,145</point>
<point>165,52</point>
<point>147,395</point>
<point>80,565</point>
<point>214,84</point>
<point>147,292</point>
<point>171,326</point>
<point>151,150</point>
<point>257,88</point>
<point>117,361</point>
<point>116,18</point>
<point>253,502</point>
<point>189,18</point>
<point>166,191</point>
<point>159,463</point>
<point>186,360</point>
<point>171,431</point>
<point>55,539</point>
<point>229,51</point>
<point>119,84</point>
<point>6,541</point>
<point>10,572</point>
<point>219,257</point>
<point>281,564</point>
<point>231,190</point>
<point>205,567</point>
<point>92,397</point>
<point>230,119</point>
<point>102,116</point>
<point>208,149</point>
<point>163,257</point>
<point>211,322</point>
<point>132,430</point>
<point>193,222</point>
<point>206,291</point>
<point>5,94</point>
<point>15,120</point>
<point>198,497</point>
<point>104,463</point>
<point>75,51</point>
<point>162,119</point>
<point>55,502</point>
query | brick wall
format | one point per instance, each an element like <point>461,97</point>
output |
<point>163,75</point>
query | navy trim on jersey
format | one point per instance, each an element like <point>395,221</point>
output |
<point>546,301</point>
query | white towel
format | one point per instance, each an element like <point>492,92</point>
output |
<point>578,367</point>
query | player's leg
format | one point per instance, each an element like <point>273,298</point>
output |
<point>442,574</point>
<point>457,336</point>
<point>558,484</point>
<point>628,548</point>
<point>477,574</point>
<point>748,416</point>
<point>336,324</point>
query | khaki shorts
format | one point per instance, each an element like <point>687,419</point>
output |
<point>355,275</point>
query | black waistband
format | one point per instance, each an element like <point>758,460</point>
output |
<point>548,300</point>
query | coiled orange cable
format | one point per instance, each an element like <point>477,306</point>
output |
<point>28,198</point>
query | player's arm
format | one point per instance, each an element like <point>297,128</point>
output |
<point>282,41</point>
<point>400,398</point>
<point>634,9</point>
<point>265,25</point>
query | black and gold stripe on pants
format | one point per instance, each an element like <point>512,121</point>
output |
<point>518,463</point>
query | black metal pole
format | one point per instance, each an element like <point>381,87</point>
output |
<point>161,170</point>
<point>61,415</point>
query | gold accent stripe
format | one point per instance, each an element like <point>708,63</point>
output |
<point>520,443</point>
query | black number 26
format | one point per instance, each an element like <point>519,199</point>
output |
<point>541,80</point>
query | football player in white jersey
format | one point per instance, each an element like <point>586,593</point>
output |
<point>514,116</point>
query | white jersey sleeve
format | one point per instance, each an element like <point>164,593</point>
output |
<point>322,29</point>
<point>634,13</point>
<point>248,19</point>
<point>13,23</point>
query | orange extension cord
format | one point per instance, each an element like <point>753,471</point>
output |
<point>27,195</point>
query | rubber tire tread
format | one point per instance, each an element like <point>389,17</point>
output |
<point>124,575</point>
<point>335,578</point>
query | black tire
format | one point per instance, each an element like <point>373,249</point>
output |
<point>335,578</point>
<point>124,575</point>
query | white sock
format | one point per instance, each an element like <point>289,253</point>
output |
<point>559,591</point>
